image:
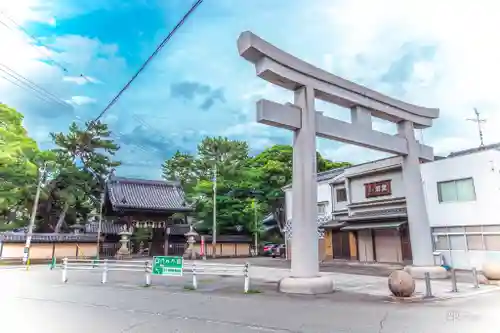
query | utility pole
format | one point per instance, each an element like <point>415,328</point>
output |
<point>256,226</point>
<point>214,226</point>
<point>41,175</point>
<point>479,121</point>
<point>99,228</point>
<point>101,207</point>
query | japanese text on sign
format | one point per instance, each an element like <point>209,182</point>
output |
<point>167,266</point>
<point>378,188</point>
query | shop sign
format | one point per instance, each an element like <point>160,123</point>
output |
<point>378,189</point>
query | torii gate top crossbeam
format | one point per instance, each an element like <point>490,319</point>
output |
<point>287,71</point>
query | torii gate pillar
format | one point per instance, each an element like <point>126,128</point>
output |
<point>309,83</point>
<point>304,190</point>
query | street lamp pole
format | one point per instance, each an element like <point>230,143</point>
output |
<point>41,174</point>
<point>214,226</point>
<point>256,226</point>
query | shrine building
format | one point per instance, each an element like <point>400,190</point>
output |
<point>150,204</point>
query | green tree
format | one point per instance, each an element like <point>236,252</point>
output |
<point>273,168</point>
<point>18,171</point>
<point>181,167</point>
<point>85,159</point>
<point>240,180</point>
<point>90,148</point>
<point>228,158</point>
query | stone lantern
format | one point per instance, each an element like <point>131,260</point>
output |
<point>124,251</point>
<point>191,235</point>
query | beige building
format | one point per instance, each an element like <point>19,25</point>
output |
<point>362,213</point>
<point>369,214</point>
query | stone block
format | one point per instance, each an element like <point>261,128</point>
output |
<point>306,286</point>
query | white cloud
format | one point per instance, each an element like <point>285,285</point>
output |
<point>350,153</point>
<point>356,39</point>
<point>78,54</point>
<point>462,74</point>
<point>22,11</point>
<point>80,80</point>
<point>81,100</point>
<point>361,39</point>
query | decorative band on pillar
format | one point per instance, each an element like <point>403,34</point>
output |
<point>322,220</point>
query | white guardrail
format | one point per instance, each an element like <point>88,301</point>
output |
<point>191,267</point>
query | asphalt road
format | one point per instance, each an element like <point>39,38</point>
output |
<point>37,302</point>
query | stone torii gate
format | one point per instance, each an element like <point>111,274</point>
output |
<point>308,83</point>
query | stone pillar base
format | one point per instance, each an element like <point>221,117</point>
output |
<point>306,286</point>
<point>435,272</point>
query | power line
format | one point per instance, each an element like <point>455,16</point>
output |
<point>31,85</point>
<point>162,44</point>
<point>37,95</point>
<point>38,41</point>
<point>23,80</point>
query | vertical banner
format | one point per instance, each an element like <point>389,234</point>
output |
<point>202,246</point>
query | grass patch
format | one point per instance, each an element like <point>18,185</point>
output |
<point>189,288</point>
<point>146,286</point>
<point>253,291</point>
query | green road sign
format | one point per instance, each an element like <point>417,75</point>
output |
<point>167,266</point>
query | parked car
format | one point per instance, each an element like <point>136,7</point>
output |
<point>268,249</point>
<point>279,251</point>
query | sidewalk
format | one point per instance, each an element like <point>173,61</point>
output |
<point>338,266</point>
<point>376,285</point>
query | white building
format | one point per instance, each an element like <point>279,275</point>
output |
<point>364,208</point>
<point>463,203</point>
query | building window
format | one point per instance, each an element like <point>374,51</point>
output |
<point>475,242</point>
<point>322,208</point>
<point>477,238</point>
<point>341,195</point>
<point>456,190</point>
<point>441,243</point>
<point>492,242</point>
<point>457,242</point>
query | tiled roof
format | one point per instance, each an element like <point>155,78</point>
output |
<point>126,193</point>
<point>106,228</point>
<point>334,224</point>
<point>329,174</point>
<point>379,213</point>
<point>16,237</point>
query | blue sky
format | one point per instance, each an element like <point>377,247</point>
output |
<point>198,85</point>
